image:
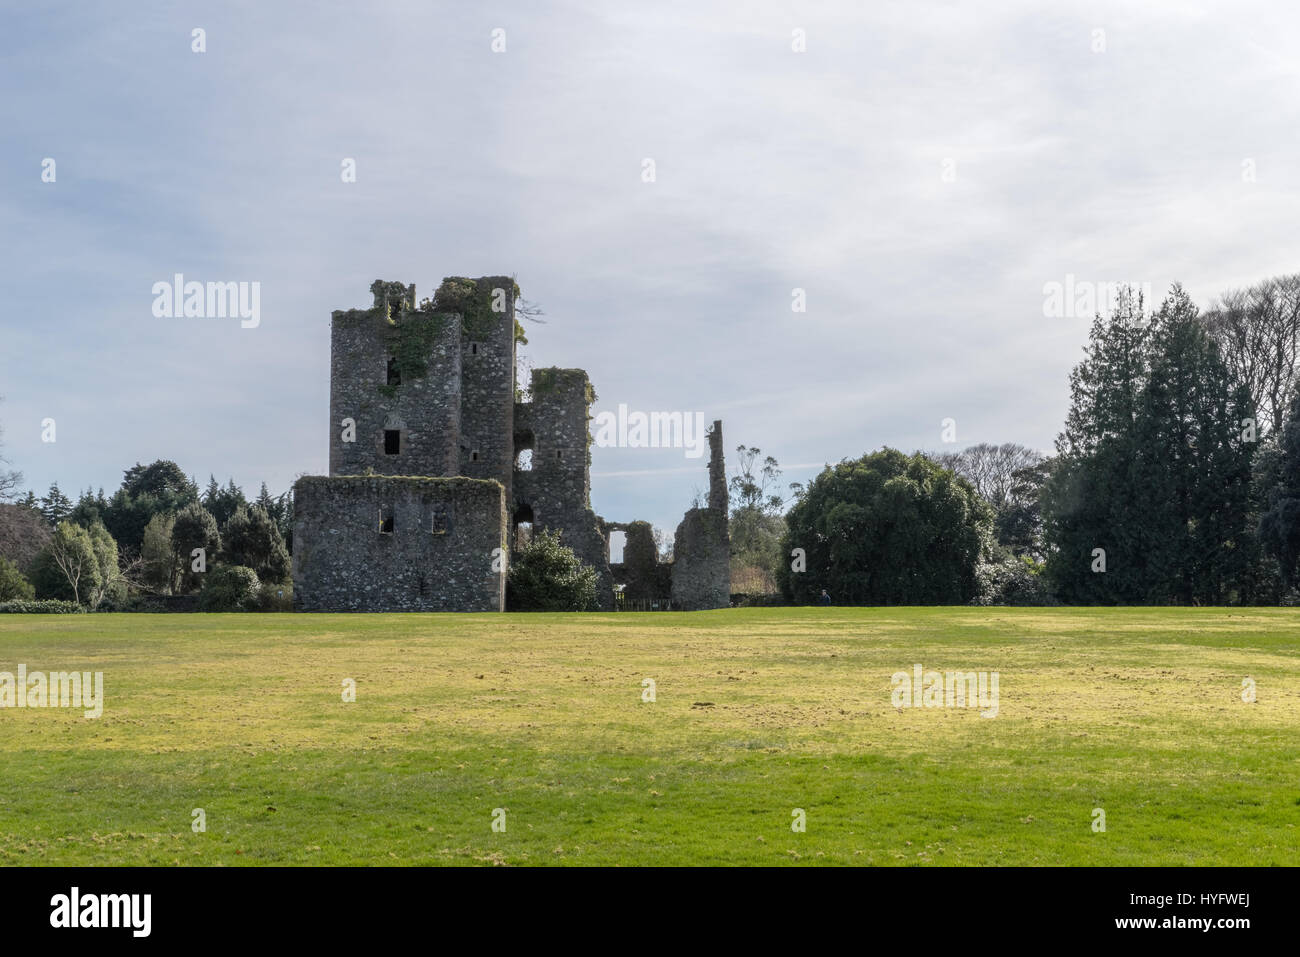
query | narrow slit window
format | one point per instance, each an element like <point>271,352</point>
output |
<point>392,441</point>
<point>473,348</point>
<point>473,456</point>
<point>440,523</point>
<point>386,524</point>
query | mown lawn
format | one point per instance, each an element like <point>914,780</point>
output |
<point>1138,712</point>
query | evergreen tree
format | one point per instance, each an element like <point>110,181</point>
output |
<point>194,527</point>
<point>55,506</point>
<point>1193,465</point>
<point>251,539</point>
<point>1149,498</point>
<point>223,502</point>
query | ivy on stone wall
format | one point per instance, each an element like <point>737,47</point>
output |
<point>409,342</point>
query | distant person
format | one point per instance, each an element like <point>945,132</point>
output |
<point>825,599</point>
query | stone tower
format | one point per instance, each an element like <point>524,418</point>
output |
<point>429,480</point>
<point>420,507</point>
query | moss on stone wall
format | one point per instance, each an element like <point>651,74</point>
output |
<point>409,342</point>
<point>473,300</point>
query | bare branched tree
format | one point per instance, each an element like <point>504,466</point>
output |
<point>9,479</point>
<point>1258,331</point>
<point>75,560</point>
<point>991,469</point>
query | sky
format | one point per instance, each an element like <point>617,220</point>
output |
<point>921,172</point>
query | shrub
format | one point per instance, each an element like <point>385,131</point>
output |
<point>12,583</point>
<point>275,596</point>
<point>1011,580</point>
<point>547,576</point>
<point>229,588</point>
<point>20,606</point>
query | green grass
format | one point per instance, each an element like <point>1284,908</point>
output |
<point>1136,711</point>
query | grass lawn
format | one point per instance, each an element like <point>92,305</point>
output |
<point>1138,712</point>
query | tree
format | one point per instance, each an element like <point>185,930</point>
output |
<point>1258,332</point>
<point>147,490</point>
<point>194,527</point>
<point>1148,501</point>
<point>251,538</point>
<point>546,575</point>
<point>12,582</point>
<point>90,508</point>
<point>68,568</point>
<point>885,529</point>
<point>9,479</point>
<point>991,469</point>
<point>1193,464</point>
<point>161,570</point>
<point>1279,525</point>
<point>1088,503</point>
<point>1019,523</point>
<point>163,478</point>
<point>265,502</point>
<point>108,580</point>
<point>223,502</point>
<point>55,506</point>
<point>756,525</point>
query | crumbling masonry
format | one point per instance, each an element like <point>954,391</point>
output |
<point>429,482</point>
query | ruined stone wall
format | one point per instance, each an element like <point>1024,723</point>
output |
<point>702,545</point>
<point>425,409</point>
<point>438,556</point>
<point>641,573</point>
<point>557,487</point>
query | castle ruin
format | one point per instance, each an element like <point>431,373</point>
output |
<point>436,462</point>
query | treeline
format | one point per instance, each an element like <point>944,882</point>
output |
<point>1175,481</point>
<point>157,537</point>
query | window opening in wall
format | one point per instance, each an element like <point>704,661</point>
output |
<point>523,526</point>
<point>524,460</point>
<point>473,456</point>
<point>440,523</point>
<point>392,441</point>
<point>386,520</point>
<point>394,373</point>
